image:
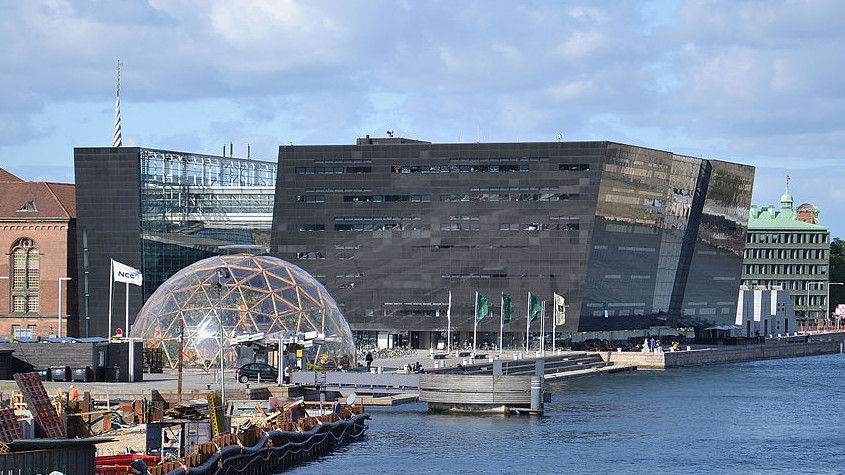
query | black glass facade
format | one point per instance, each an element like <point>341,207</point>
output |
<point>630,236</point>
<point>160,211</point>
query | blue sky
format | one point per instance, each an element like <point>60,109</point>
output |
<point>753,81</point>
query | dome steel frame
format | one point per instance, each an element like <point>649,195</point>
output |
<point>249,294</point>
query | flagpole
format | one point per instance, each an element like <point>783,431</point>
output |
<point>111,292</point>
<point>528,327</point>
<point>449,324</point>
<point>126,328</point>
<point>543,328</point>
<point>475,326</point>
<point>555,311</point>
<point>501,322</point>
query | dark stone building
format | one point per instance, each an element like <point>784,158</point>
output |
<point>631,237</point>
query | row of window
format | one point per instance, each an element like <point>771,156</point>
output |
<point>794,285</point>
<point>503,197</point>
<point>460,168</point>
<point>338,190</point>
<point>402,169</point>
<point>785,269</point>
<point>496,197</point>
<point>451,226</point>
<point>370,227</point>
<point>386,198</point>
<point>332,170</point>
<point>786,238</point>
<point>804,254</point>
<point>377,218</point>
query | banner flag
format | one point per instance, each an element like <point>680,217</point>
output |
<point>560,310</point>
<point>507,308</point>
<point>535,307</point>
<point>481,305</point>
<point>124,273</point>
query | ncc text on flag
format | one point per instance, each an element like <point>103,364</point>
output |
<point>124,273</point>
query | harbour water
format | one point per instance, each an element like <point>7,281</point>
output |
<point>774,416</point>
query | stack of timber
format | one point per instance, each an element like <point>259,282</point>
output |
<point>193,409</point>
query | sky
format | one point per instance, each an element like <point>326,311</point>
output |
<point>758,82</point>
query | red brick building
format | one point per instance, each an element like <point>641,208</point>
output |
<point>38,242</point>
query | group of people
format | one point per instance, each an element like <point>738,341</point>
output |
<point>653,345</point>
<point>413,367</point>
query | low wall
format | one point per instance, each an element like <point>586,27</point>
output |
<point>460,389</point>
<point>721,355</point>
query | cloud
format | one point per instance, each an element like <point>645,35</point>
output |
<point>755,81</point>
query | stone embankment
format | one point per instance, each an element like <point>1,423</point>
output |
<point>772,349</point>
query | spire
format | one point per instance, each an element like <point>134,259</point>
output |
<point>786,200</point>
<point>117,139</point>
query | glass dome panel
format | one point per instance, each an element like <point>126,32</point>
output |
<point>249,294</point>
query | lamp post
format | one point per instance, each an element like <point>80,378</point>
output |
<point>60,303</point>
<point>222,275</point>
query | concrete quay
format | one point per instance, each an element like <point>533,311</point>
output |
<point>787,347</point>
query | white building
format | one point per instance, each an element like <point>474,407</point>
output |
<point>765,311</point>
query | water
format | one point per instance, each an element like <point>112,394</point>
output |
<point>776,416</point>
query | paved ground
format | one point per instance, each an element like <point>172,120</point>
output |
<point>196,379</point>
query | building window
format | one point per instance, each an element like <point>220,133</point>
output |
<point>25,276</point>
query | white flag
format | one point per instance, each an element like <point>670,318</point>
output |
<point>560,310</point>
<point>124,273</point>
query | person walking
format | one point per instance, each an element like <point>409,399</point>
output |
<point>369,360</point>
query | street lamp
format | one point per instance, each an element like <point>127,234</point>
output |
<point>222,275</point>
<point>60,303</point>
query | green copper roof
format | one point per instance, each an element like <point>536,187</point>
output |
<point>769,218</point>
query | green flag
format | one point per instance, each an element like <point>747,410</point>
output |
<point>536,308</point>
<point>481,307</point>
<point>506,308</point>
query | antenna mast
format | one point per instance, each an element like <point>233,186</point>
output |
<point>117,138</point>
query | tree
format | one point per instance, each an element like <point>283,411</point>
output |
<point>837,272</point>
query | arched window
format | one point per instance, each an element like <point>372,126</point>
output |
<point>25,276</point>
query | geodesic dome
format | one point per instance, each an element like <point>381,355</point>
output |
<point>249,294</point>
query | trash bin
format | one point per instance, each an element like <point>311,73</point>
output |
<point>60,373</point>
<point>82,375</point>
<point>111,373</point>
<point>44,374</point>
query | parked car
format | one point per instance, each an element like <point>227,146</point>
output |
<point>252,372</point>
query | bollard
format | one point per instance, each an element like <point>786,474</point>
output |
<point>464,362</point>
<point>516,356</point>
<point>380,370</point>
<point>536,393</point>
<point>619,350</point>
<point>689,348</point>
